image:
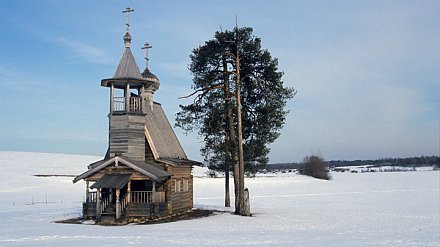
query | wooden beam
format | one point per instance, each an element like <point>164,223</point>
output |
<point>150,142</point>
<point>127,98</point>
<point>129,191</point>
<point>154,191</point>
<point>168,196</point>
<point>118,204</point>
<point>87,191</point>
<point>98,203</point>
<point>112,97</point>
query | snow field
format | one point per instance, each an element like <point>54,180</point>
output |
<point>368,209</point>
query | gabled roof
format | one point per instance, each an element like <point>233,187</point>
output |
<point>160,135</point>
<point>147,169</point>
<point>112,181</point>
<point>174,161</point>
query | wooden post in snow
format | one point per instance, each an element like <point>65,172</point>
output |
<point>246,203</point>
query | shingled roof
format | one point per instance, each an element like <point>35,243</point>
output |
<point>163,141</point>
<point>145,168</point>
<point>127,71</point>
<point>127,67</point>
<point>113,181</point>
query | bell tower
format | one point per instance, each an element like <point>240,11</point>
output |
<point>145,162</point>
<point>129,95</point>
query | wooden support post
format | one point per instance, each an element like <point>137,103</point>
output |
<point>118,204</point>
<point>98,203</point>
<point>154,192</point>
<point>127,98</point>
<point>87,192</point>
<point>129,192</point>
<point>141,97</point>
<point>168,196</point>
<point>112,97</point>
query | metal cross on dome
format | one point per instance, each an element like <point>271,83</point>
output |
<point>146,47</point>
<point>127,14</point>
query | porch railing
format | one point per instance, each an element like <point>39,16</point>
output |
<point>119,104</point>
<point>135,104</point>
<point>124,202</point>
<point>147,196</point>
<point>132,197</point>
<point>91,197</point>
<point>105,203</point>
<point>141,196</point>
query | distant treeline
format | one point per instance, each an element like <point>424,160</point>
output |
<point>407,162</point>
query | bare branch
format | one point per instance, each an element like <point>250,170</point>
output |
<point>205,90</point>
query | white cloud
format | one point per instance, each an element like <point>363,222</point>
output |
<point>85,51</point>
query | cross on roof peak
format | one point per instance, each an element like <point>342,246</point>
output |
<point>127,14</point>
<point>146,47</point>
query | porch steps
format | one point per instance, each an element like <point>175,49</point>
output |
<point>108,217</point>
<point>110,210</point>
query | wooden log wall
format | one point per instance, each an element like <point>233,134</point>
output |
<point>127,136</point>
<point>89,210</point>
<point>144,209</point>
<point>181,200</point>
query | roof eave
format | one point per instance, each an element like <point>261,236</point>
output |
<point>122,81</point>
<point>93,170</point>
<point>170,161</point>
<point>123,161</point>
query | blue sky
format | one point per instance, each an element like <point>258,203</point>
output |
<point>367,72</point>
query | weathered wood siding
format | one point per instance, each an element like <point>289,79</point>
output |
<point>127,136</point>
<point>148,153</point>
<point>89,210</point>
<point>182,200</point>
<point>144,210</point>
<point>117,169</point>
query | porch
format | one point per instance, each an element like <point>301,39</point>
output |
<point>133,204</point>
<point>125,198</point>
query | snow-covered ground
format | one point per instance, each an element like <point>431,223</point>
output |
<point>353,209</point>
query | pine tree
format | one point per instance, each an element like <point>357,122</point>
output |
<point>263,99</point>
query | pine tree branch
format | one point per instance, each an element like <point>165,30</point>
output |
<point>205,90</point>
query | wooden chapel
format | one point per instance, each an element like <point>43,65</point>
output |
<point>145,173</point>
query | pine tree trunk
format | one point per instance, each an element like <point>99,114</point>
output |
<point>227,194</point>
<point>227,167</point>
<point>234,155</point>
<point>232,137</point>
<point>240,137</point>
